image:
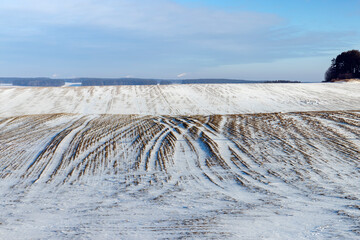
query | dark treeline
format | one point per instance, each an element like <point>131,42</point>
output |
<point>214,81</point>
<point>48,82</point>
<point>229,81</point>
<point>282,81</point>
<point>345,66</point>
<point>141,81</point>
<point>6,80</point>
<point>34,82</point>
<point>120,81</point>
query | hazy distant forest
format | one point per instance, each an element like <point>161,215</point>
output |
<point>345,66</point>
<point>49,82</point>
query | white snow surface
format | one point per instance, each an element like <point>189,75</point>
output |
<point>181,99</point>
<point>247,161</point>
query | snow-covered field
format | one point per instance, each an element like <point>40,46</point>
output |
<point>247,161</point>
<point>181,99</point>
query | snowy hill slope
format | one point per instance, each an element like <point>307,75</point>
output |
<point>291,175</point>
<point>181,99</point>
<point>281,176</point>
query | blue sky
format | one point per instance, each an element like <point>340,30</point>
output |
<point>241,39</point>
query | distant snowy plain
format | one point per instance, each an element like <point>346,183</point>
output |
<point>246,161</point>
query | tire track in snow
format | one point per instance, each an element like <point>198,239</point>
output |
<point>309,154</point>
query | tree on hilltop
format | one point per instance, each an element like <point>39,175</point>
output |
<point>345,66</point>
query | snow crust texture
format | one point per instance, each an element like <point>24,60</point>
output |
<point>292,175</point>
<point>181,99</point>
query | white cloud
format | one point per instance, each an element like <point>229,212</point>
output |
<point>157,17</point>
<point>149,37</point>
<point>162,21</point>
<point>241,33</point>
<point>181,75</point>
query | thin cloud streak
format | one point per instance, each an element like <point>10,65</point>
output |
<point>238,32</point>
<point>157,38</point>
<point>158,17</point>
<point>181,75</point>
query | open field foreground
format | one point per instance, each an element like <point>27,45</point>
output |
<point>151,173</point>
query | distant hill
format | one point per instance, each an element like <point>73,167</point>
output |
<point>144,81</point>
<point>33,82</point>
<point>49,82</point>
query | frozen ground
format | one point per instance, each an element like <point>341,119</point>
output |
<point>166,174</point>
<point>181,99</point>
